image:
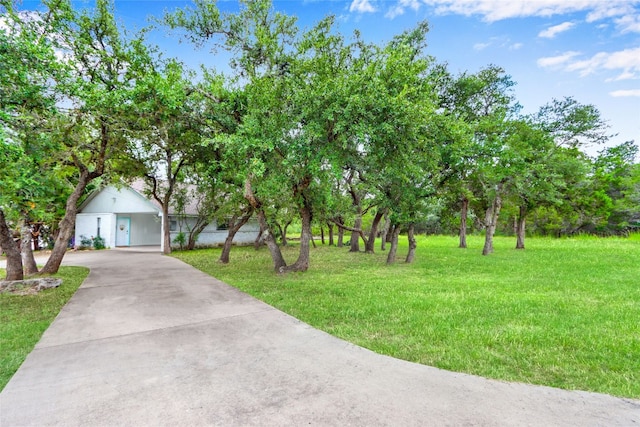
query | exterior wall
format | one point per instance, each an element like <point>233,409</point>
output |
<point>145,226</point>
<point>123,200</point>
<point>87,225</point>
<point>145,229</point>
<point>211,236</point>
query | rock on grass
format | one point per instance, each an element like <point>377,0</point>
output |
<point>28,286</point>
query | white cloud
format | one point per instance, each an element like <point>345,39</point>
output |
<point>362,6</point>
<point>557,61</point>
<point>500,42</point>
<point>589,65</point>
<point>624,13</point>
<point>629,23</point>
<point>26,17</point>
<point>481,46</point>
<point>627,62</point>
<point>553,31</point>
<point>400,7</point>
<point>495,10</point>
<point>610,10</point>
<point>625,93</point>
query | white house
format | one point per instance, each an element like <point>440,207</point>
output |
<point>123,216</point>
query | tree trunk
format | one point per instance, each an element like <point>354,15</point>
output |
<point>267,237</point>
<point>302,263</point>
<point>355,236</point>
<point>322,234</point>
<point>276,255</point>
<point>233,229</point>
<point>28,261</point>
<point>283,241</point>
<point>258,242</point>
<point>464,213</point>
<point>391,257</point>
<point>390,233</point>
<point>520,227</point>
<point>195,232</point>
<point>385,232</point>
<point>166,228</point>
<point>340,237</point>
<point>14,260</point>
<point>370,243</point>
<point>35,232</point>
<point>330,227</point>
<point>413,244</point>
<point>355,202</point>
<point>283,234</point>
<point>491,222</point>
<point>66,226</point>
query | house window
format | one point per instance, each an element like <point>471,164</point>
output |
<point>173,225</point>
<point>221,225</point>
<point>98,233</point>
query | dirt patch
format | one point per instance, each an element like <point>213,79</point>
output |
<point>28,286</point>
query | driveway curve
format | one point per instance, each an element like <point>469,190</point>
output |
<point>148,341</point>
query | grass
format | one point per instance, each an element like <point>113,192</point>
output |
<point>563,313</point>
<point>24,318</point>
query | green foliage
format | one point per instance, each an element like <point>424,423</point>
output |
<point>565,316</point>
<point>572,124</point>
<point>24,318</point>
<point>615,182</point>
<point>309,123</point>
<point>98,243</point>
<point>85,242</point>
<point>180,239</point>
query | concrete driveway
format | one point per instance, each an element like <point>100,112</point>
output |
<point>148,340</point>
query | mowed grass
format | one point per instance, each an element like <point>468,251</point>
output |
<point>563,313</point>
<point>24,318</point>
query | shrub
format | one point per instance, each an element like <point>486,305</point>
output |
<point>98,243</point>
<point>180,239</point>
<point>85,242</point>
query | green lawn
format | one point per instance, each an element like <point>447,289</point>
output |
<point>563,312</point>
<point>24,318</point>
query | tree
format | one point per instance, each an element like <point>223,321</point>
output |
<point>458,150</point>
<point>259,40</point>
<point>492,174</point>
<point>614,178</point>
<point>571,124</point>
<point>9,154</point>
<point>14,261</point>
<point>629,204</point>
<point>484,101</point>
<point>553,172</point>
<point>28,67</point>
<point>96,87</point>
<point>390,161</point>
<point>534,179</point>
<point>200,196</point>
<point>234,223</point>
<point>215,170</point>
<point>167,131</point>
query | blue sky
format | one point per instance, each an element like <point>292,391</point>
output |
<point>587,49</point>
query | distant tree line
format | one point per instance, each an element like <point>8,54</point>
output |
<point>309,127</point>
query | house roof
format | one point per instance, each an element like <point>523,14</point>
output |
<point>191,206</point>
<point>140,189</point>
<point>114,190</point>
